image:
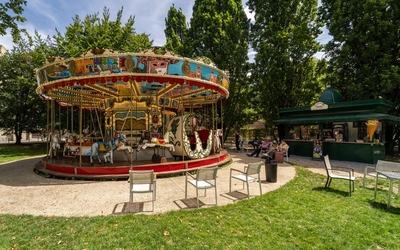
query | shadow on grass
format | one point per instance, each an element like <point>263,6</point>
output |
<point>383,207</point>
<point>330,190</point>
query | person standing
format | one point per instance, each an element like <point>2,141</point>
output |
<point>238,140</point>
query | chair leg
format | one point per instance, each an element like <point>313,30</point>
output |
<point>230,184</point>
<point>350,187</point>
<point>216,198</point>
<point>248,190</point>
<point>154,194</point>
<point>152,203</point>
<point>186,188</point>
<point>197,197</point>
<point>327,181</point>
<point>259,183</point>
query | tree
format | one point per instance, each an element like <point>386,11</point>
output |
<point>364,52</point>
<point>219,30</point>
<point>20,106</point>
<point>100,33</point>
<point>7,20</point>
<point>176,31</point>
<point>285,70</point>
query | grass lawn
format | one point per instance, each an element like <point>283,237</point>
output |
<point>11,152</point>
<point>301,214</point>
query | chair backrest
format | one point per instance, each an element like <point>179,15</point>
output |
<point>141,177</point>
<point>207,173</point>
<point>387,166</point>
<point>287,150</point>
<point>254,168</point>
<point>327,164</point>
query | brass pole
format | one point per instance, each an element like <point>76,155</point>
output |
<point>80,131</point>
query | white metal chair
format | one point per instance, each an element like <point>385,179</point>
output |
<point>251,173</point>
<point>383,166</point>
<point>205,178</point>
<point>286,153</point>
<point>142,182</point>
<point>338,173</point>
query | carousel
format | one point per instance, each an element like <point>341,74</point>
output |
<point>110,112</point>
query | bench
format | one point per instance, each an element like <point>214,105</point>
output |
<point>246,145</point>
<point>381,166</point>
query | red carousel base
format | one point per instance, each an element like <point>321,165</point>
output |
<point>120,170</point>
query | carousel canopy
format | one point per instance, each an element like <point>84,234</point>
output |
<point>100,78</point>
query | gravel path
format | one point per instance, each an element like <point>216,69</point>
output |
<point>318,166</point>
<point>24,192</point>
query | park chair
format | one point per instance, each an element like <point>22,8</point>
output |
<point>142,182</point>
<point>251,173</point>
<point>286,153</point>
<point>343,173</point>
<point>382,166</point>
<point>205,178</point>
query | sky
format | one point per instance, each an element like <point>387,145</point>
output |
<point>48,15</point>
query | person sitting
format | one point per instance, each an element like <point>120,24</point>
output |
<point>255,142</point>
<point>271,151</point>
<point>283,147</point>
<point>264,146</point>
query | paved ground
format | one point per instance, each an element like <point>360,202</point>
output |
<point>24,192</point>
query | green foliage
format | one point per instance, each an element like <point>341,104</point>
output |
<point>300,215</point>
<point>364,52</point>
<point>100,32</point>
<point>20,106</point>
<point>175,30</point>
<point>219,30</point>
<point>285,71</point>
<point>9,20</point>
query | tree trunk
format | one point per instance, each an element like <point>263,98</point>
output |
<point>18,138</point>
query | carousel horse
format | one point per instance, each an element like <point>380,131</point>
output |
<point>106,146</point>
<point>120,147</point>
<point>54,143</point>
<point>159,142</point>
<point>217,142</point>
<point>68,138</point>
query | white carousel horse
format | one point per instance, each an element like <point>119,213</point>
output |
<point>120,147</point>
<point>109,146</point>
<point>86,131</point>
<point>54,143</point>
<point>217,141</point>
<point>159,142</point>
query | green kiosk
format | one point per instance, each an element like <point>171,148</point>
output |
<point>347,131</point>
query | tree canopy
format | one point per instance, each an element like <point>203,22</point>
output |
<point>285,70</point>
<point>10,14</point>
<point>100,32</point>
<point>176,31</point>
<point>364,54</point>
<point>218,30</point>
<point>21,108</point>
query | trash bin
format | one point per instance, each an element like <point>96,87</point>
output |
<point>271,170</point>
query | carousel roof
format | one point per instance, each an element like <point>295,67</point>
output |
<point>100,78</point>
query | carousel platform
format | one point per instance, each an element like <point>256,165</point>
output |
<point>63,167</point>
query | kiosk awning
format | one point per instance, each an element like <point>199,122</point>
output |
<point>336,118</point>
